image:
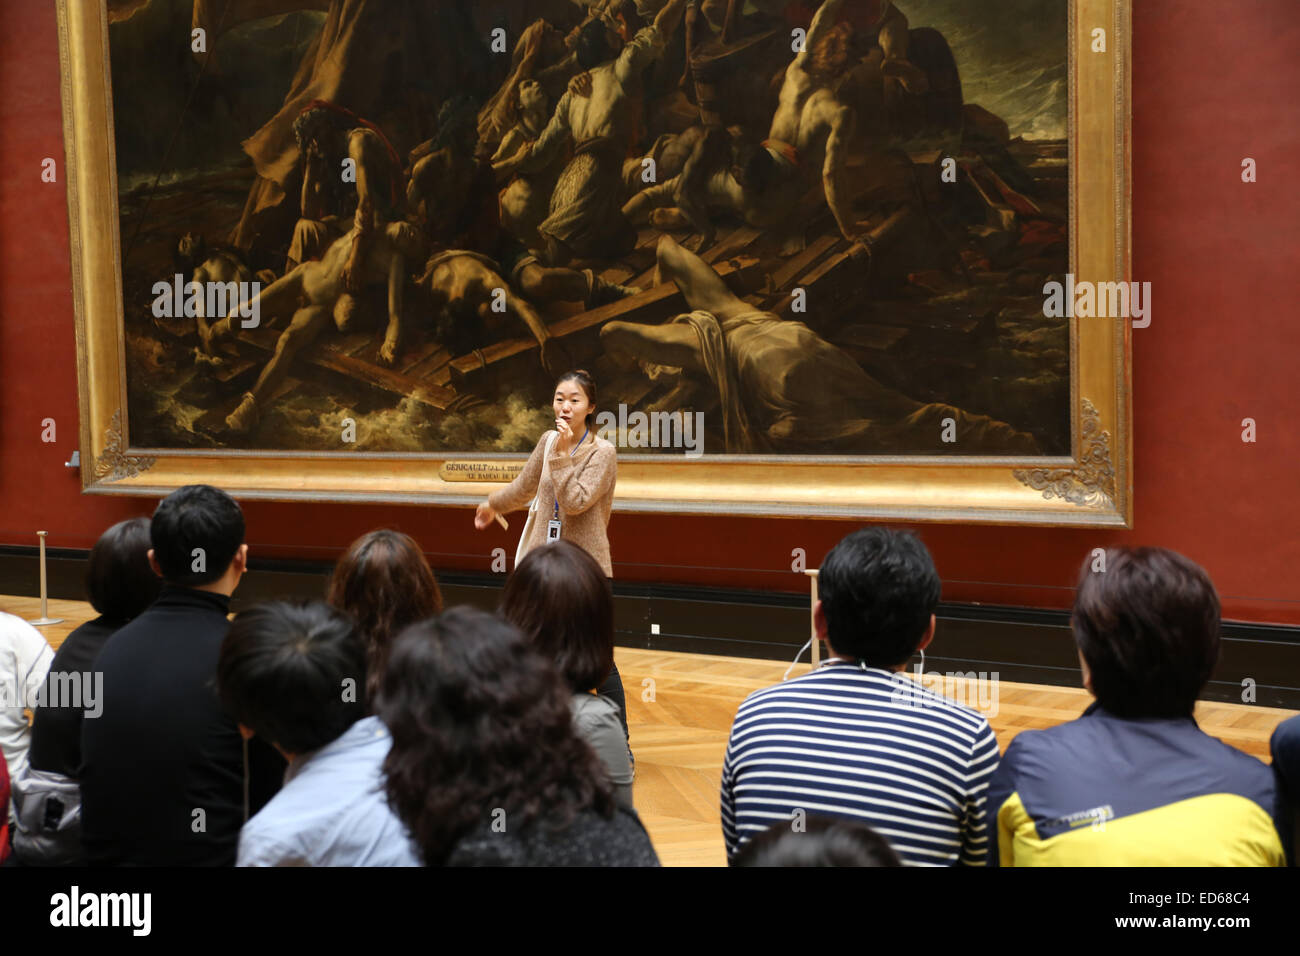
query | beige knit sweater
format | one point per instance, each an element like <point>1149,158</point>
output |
<point>584,487</point>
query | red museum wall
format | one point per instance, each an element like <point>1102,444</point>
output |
<point>1222,257</point>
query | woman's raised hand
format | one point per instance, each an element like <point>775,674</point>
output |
<point>564,441</point>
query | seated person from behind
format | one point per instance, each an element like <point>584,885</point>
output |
<point>486,768</point>
<point>562,601</point>
<point>384,583</point>
<point>1134,781</point>
<point>25,659</point>
<point>856,739</point>
<point>294,675</point>
<point>1285,747</point>
<point>165,777</point>
<point>47,801</point>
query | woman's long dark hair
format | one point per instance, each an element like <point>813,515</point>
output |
<point>384,583</point>
<point>480,723</point>
<point>562,602</point>
<point>119,581</point>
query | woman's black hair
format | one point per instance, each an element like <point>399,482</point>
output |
<point>481,726</point>
<point>1148,628</point>
<point>293,672</point>
<point>385,584</point>
<point>119,581</point>
<point>588,384</point>
<point>824,841</point>
<point>562,602</point>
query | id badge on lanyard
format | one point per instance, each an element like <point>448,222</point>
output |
<point>553,526</point>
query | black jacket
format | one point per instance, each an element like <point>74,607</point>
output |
<point>56,731</point>
<point>162,772</point>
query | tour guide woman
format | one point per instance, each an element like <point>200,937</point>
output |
<point>569,479</point>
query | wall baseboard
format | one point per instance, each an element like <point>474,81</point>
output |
<point>1019,644</point>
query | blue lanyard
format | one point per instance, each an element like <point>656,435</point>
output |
<point>571,454</point>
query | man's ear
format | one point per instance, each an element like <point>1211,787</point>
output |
<point>929,635</point>
<point>153,563</point>
<point>246,732</point>
<point>241,559</point>
<point>819,620</point>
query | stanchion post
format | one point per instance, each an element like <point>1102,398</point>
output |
<point>45,597</point>
<point>816,645</point>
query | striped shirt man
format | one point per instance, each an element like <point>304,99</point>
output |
<point>865,744</point>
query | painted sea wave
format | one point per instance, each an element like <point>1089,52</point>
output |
<point>1012,56</point>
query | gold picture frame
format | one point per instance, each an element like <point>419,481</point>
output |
<point>1091,487</point>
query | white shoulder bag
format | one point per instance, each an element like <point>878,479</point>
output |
<point>532,507</point>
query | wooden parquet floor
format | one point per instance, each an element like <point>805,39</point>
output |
<point>680,707</point>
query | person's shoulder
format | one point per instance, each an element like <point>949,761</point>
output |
<point>261,844</point>
<point>1047,740</point>
<point>17,631</point>
<point>784,689</point>
<point>592,710</point>
<point>84,643</point>
<point>125,635</point>
<point>605,447</point>
<point>787,693</point>
<point>630,840</point>
<point>1238,763</point>
<point>943,707</point>
<point>143,625</point>
<point>1285,741</point>
<point>1071,745</point>
<point>481,846</point>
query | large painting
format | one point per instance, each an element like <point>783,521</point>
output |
<point>343,248</point>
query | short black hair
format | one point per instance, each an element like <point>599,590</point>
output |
<point>825,841</point>
<point>284,672</point>
<point>878,589</point>
<point>593,47</point>
<point>196,518</point>
<point>1148,628</point>
<point>119,581</point>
